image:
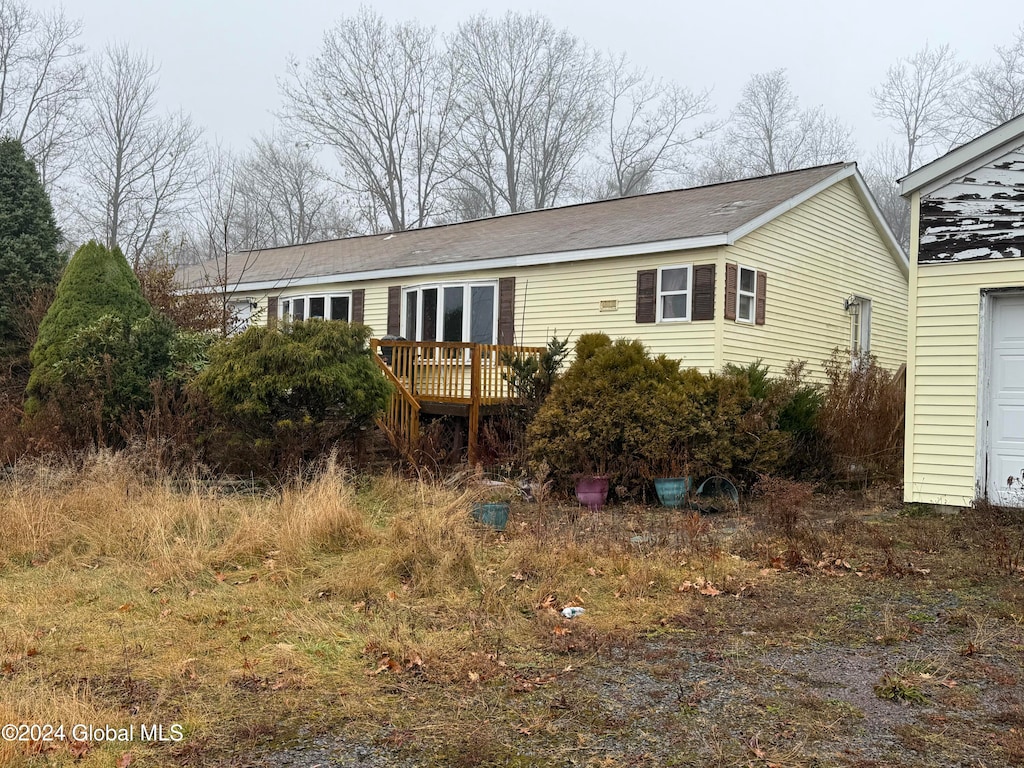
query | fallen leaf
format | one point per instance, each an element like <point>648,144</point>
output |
<point>125,607</point>
<point>591,571</point>
<point>755,748</point>
<point>79,749</point>
<point>124,760</point>
<point>560,631</point>
<point>392,596</point>
<point>474,677</point>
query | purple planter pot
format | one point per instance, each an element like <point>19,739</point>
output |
<point>592,492</point>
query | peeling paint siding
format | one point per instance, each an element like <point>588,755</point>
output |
<point>977,216</point>
<point>942,401</point>
<point>815,256</point>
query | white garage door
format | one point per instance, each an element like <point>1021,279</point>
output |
<point>1005,459</point>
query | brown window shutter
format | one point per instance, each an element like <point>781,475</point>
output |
<point>731,281</point>
<point>647,295</point>
<point>395,310</point>
<point>762,281</point>
<point>507,310</point>
<point>358,302</point>
<point>703,292</point>
<point>271,311</point>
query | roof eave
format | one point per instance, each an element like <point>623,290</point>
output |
<point>996,139</point>
<point>848,171</point>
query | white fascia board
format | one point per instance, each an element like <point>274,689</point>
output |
<point>848,171</point>
<point>938,170</point>
<point>788,205</point>
<point>505,262</point>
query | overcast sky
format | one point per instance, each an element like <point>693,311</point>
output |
<point>220,59</point>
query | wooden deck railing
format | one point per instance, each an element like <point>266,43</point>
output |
<point>474,375</point>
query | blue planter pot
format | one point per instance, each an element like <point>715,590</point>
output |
<point>492,513</point>
<point>672,491</point>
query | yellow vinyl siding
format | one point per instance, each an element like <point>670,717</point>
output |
<point>565,299</point>
<point>942,383</point>
<point>815,256</point>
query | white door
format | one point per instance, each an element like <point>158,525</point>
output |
<point>1005,450</point>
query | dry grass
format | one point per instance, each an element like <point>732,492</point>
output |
<point>130,597</point>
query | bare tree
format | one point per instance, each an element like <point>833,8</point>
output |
<point>770,133</point>
<point>41,81</point>
<point>918,96</point>
<point>138,165</point>
<point>994,92</point>
<point>648,128</point>
<point>882,171</point>
<point>381,97</point>
<point>283,180</point>
<point>530,96</point>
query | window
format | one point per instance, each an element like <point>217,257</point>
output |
<point>746,295</point>
<point>321,306</point>
<point>450,312</point>
<point>860,326</point>
<point>674,294</point>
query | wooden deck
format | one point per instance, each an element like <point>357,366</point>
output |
<point>443,377</point>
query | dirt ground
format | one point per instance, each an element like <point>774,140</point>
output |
<point>902,644</point>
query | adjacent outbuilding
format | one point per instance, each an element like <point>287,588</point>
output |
<point>965,368</point>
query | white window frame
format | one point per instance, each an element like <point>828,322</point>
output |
<point>859,308</point>
<point>467,297</point>
<point>740,269</point>
<point>688,292</point>
<point>285,304</point>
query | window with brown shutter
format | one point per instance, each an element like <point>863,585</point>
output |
<point>646,295</point>
<point>394,310</point>
<point>762,282</point>
<point>358,305</point>
<point>507,310</point>
<point>704,292</point>
<point>271,311</point>
<point>731,284</point>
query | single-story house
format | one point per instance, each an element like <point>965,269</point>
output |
<point>781,267</point>
<point>965,372</point>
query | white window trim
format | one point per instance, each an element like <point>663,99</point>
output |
<point>688,292</point>
<point>467,287</point>
<point>740,293</point>
<point>305,297</point>
<point>860,310</point>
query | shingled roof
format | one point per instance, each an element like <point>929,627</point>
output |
<point>678,219</point>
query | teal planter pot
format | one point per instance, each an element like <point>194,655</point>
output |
<point>672,491</point>
<point>592,492</point>
<point>492,513</point>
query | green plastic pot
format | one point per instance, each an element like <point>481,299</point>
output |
<point>492,513</point>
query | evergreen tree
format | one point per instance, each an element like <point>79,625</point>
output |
<point>29,238</point>
<point>97,284</point>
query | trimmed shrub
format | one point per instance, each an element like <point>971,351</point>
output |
<point>286,395</point>
<point>97,283</point>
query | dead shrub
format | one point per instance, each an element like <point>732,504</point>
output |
<point>861,420</point>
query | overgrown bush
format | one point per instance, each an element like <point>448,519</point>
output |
<point>861,420</point>
<point>287,395</point>
<point>617,411</point>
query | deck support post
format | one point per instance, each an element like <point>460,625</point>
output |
<point>475,397</point>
